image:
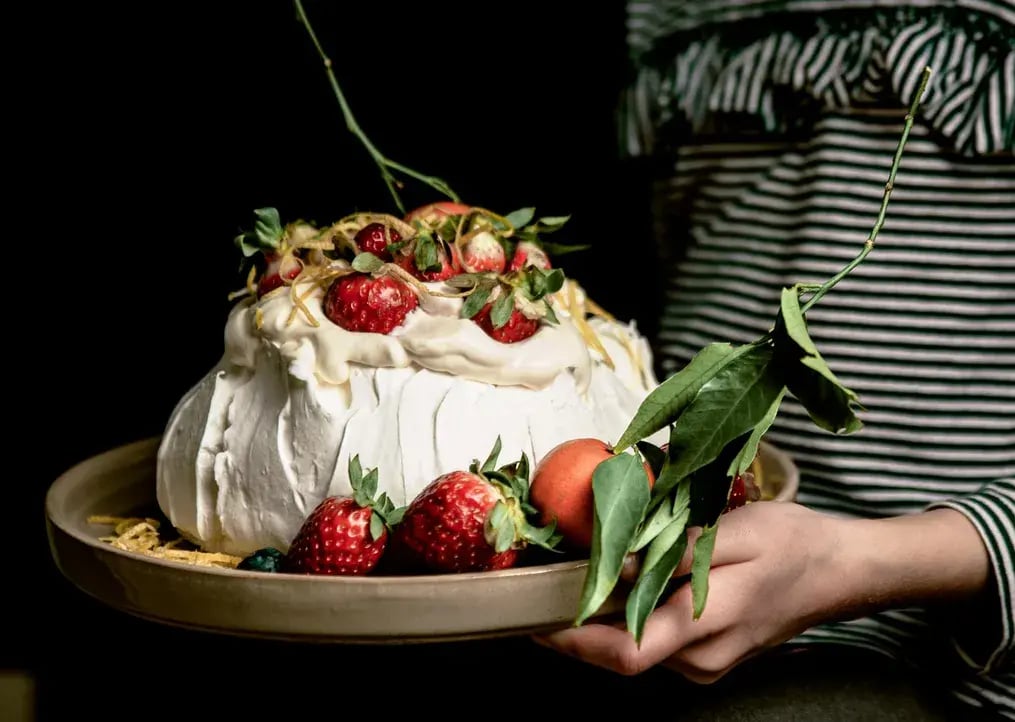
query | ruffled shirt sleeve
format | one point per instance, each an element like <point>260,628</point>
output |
<point>736,68</point>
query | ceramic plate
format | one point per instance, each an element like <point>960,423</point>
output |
<point>379,609</point>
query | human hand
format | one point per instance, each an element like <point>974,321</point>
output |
<point>774,573</point>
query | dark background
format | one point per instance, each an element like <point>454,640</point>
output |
<point>147,134</point>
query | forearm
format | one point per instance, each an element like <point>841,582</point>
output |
<point>928,558</point>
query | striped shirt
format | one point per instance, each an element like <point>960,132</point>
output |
<point>779,136</point>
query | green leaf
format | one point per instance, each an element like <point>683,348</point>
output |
<point>534,283</point>
<point>560,249</point>
<point>541,536</point>
<point>505,529</point>
<point>666,402</point>
<point>376,526</point>
<point>447,228</point>
<point>475,301</point>
<point>247,243</point>
<point>682,499</point>
<point>522,473</point>
<point>521,217</point>
<point>266,236</point>
<point>807,375</point>
<point>666,539</point>
<point>370,484</point>
<point>729,404</point>
<point>830,406</point>
<point>552,223</point>
<point>793,322</point>
<point>620,492</point>
<point>554,280</point>
<point>658,520</point>
<point>355,472</point>
<point>500,314</point>
<point>663,514</point>
<point>491,460</point>
<point>700,567</point>
<point>498,476</point>
<point>661,561</point>
<point>498,514</point>
<point>742,461</point>
<point>550,316</point>
<point>366,262</point>
<point>426,253</point>
<point>395,515</point>
<point>268,227</point>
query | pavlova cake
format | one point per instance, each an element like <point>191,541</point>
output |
<point>410,344</point>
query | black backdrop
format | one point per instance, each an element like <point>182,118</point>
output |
<point>151,131</point>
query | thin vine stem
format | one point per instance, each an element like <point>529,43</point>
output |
<point>868,245</point>
<point>383,163</point>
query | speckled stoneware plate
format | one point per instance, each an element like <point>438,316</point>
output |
<point>283,606</point>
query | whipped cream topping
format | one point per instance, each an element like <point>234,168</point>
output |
<point>268,433</point>
<point>433,336</point>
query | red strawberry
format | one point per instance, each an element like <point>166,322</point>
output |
<point>743,490</point>
<point>517,328</point>
<point>374,238</point>
<point>483,253</point>
<point>520,301</point>
<point>528,254</point>
<point>446,255</point>
<point>476,520</point>
<point>272,277</point>
<point>369,304</point>
<point>344,534</point>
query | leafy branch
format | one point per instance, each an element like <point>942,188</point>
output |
<point>717,409</point>
<point>868,245</point>
<point>385,164</point>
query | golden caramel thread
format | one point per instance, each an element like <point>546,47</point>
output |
<point>298,306</point>
<point>141,536</point>
<point>251,285</point>
<point>477,210</point>
<point>316,278</point>
<point>577,312</point>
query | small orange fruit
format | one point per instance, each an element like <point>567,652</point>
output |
<point>561,488</point>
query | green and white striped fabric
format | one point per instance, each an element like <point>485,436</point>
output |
<point>781,119</point>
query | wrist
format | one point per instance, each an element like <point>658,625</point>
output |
<point>920,559</point>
